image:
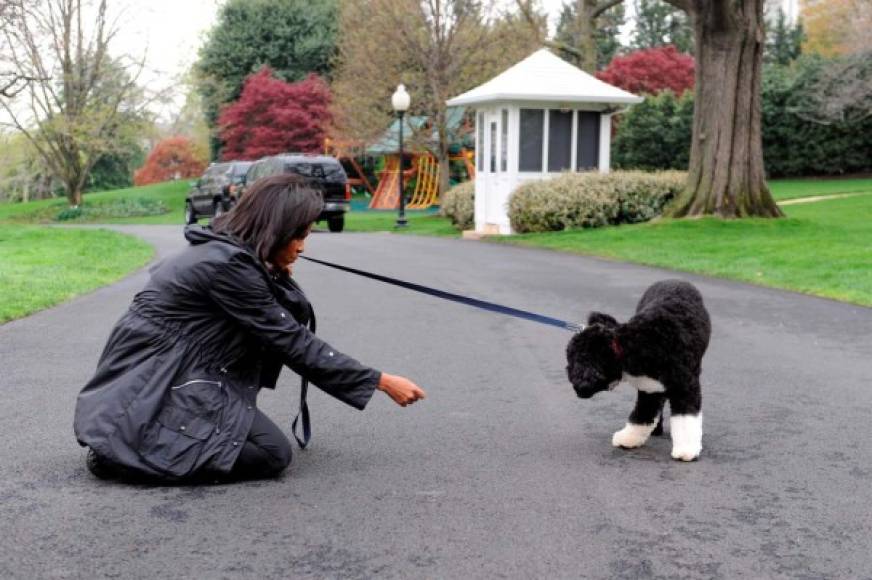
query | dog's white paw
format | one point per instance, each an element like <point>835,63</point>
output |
<point>686,453</point>
<point>686,437</point>
<point>632,436</point>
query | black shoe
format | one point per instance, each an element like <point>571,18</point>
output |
<point>100,467</point>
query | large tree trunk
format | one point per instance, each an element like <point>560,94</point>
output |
<point>442,156</point>
<point>585,13</point>
<point>726,176</point>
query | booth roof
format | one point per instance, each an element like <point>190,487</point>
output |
<point>543,76</point>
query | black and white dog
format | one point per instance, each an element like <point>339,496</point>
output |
<point>659,351</point>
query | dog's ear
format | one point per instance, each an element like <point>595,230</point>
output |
<point>600,318</point>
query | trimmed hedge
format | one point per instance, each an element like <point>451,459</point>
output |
<point>588,200</point>
<point>458,204</point>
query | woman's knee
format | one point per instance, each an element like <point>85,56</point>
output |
<point>280,457</point>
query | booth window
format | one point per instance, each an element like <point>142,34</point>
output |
<point>504,141</point>
<point>493,147</point>
<point>480,144</point>
<point>531,140</point>
<point>588,140</point>
<point>559,140</point>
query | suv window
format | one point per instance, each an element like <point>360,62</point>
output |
<point>322,170</point>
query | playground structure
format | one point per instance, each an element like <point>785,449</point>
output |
<point>344,152</point>
<point>424,169</point>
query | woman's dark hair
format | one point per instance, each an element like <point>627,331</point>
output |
<point>273,211</point>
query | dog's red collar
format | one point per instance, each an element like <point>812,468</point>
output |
<point>616,348</point>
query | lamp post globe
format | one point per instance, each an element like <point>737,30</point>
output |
<point>400,101</point>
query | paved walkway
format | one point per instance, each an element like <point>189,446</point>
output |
<point>816,198</point>
<point>502,472</point>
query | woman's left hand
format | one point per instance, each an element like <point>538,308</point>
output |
<point>403,391</point>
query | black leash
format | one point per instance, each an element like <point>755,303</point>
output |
<point>474,302</point>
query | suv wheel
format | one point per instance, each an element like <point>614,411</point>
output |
<point>336,224</point>
<point>190,213</point>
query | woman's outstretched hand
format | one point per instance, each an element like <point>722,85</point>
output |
<point>400,389</point>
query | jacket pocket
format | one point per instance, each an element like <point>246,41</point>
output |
<point>188,417</point>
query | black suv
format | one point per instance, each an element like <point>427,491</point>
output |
<point>216,191</point>
<point>322,172</point>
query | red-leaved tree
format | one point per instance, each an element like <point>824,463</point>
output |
<point>272,116</point>
<point>171,158</point>
<point>651,71</point>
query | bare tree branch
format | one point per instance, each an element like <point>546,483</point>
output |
<point>77,93</point>
<point>685,5</point>
<point>600,8</point>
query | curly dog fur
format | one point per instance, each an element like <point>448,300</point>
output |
<point>659,351</point>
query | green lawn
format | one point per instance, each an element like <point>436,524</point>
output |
<point>42,266</point>
<point>420,222</point>
<point>822,248</point>
<point>792,188</point>
<point>171,194</point>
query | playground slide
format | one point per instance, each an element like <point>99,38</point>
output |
<point>387,194</point>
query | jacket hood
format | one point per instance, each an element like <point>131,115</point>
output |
<point>197,235</point>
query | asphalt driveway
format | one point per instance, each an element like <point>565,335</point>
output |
<point>501,472</point>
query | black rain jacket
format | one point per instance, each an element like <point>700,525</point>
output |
<point>176,385</point>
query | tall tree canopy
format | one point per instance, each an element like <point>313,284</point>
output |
<point>659,24</point>
<point>837,27</point>
<point>272,116</point>
<point>581,32</point>
<point>651,71</point>
<point>292,37</point>
<point>78,96</point>
<point>437,48</point>
<point>172,158</point>
<point>783,40</point>
<point>569,34</point>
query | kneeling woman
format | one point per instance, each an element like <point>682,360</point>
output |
<point>174,396</point>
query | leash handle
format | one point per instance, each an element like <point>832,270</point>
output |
<point>474,302</point>
<point>303,414</point>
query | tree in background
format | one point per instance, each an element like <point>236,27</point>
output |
<point>272,116</point>
<point>726,176</point>
<point>437,48</point>
<point>606,34</point>
<point>23,176</point>
<point>172,158</point>
<point>71,110</point>
<point>840,92</point>
<point>837,27</point>
<point>190,120</point>
<point>651,71</point>
<point>588,16</point>
<point>783,41</point>
<point>655,134</point>
<point>292,37</point>
<point>660,24</point>
<point>798,139</point>
<point>115,170</point>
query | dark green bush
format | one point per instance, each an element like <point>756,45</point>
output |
<point>69,213</point>
<point>656,134</point>
<point>458,204</point>
<point>584,200</point>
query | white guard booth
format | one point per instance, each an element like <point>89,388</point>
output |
<point>541,117</point>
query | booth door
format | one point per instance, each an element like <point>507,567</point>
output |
<point>495,174</point>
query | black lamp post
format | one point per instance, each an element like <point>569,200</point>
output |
<point>400,101</point>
